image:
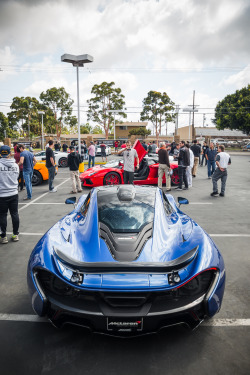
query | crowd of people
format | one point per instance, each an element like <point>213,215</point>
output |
<point>14,171</point>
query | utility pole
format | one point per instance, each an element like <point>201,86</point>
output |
<point>193,110</point>
<point>204,119</point>
<point>176,118</point>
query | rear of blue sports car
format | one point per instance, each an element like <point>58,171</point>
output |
<point>126,261</point>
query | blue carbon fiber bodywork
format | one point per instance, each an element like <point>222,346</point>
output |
<point>174,235</point>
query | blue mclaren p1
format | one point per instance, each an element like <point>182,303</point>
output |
<point>126,261</point>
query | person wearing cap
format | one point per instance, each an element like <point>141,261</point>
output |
<point>91,151</point>
<point>50,164</point>
<point>74,160</point>
<point>9,172</point>
<point>28,160</point>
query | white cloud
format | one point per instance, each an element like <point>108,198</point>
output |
<point>240,79</point>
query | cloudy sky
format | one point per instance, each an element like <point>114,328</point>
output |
<point>141,45</point>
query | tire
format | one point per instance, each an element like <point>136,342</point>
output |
<point>112,178</point>
<point>175,177</point>
<point>63,162</point>
<point>36,178</point>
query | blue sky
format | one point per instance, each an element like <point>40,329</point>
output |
<point>165,45</point>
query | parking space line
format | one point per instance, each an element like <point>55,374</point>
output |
<point>229,235</point>
<point>41,196</point>
<point>28,234</point>
<point>44,203</point>
<point>209,323</point>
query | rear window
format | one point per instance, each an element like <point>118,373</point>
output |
<point>125,217</point>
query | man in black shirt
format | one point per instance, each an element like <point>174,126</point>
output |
<point>74,161</point>
<point>183,163</point>
<point>204,149</point>
<point>196,151</point>
<point>164,166</point>
<point>50,164</point>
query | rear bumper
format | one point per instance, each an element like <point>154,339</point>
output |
<point>60,314</point>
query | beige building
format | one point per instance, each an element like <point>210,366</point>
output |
<point>122,129</point>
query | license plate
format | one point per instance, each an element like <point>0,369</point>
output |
<point>124,324</point>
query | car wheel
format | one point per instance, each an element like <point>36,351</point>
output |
<point>112,178</point>
<point>36,178</point>
<point>63,162</point>
<point>175,177</point>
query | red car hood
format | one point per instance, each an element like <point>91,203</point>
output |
<point>140,150</point>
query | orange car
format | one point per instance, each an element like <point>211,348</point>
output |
<point>41,173</point>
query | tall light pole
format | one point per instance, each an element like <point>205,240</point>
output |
<point>114,111</point>
<point>190,110</point>
<point>42,113</point>
<point>77,61</point>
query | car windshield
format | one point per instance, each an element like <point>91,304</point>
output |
<point>125,216</point>
<point>111,164</point>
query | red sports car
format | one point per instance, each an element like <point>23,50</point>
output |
<point>111,173</point>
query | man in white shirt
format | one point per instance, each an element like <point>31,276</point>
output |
<point>222,161</point>
<point>129,157</point>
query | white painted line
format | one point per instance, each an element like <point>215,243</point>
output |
<point>227,323</point>
<point>29,234</point>
<point>209,323</point>
<point>229,235</point>
<point>22,318</point>
<point>48,203</point>
<point>43,195</point>
<point>200,203</point>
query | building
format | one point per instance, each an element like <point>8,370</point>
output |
<point>185,133</point>
<point>122,129</point>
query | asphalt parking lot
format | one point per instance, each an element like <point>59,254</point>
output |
<point>29,345</point>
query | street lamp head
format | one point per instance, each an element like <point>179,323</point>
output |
<point>79,60</point>
<point>41,112</point>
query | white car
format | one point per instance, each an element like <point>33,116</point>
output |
<point>98,151</point>
<point>61,158</point>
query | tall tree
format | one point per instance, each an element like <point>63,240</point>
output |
<point>233,112</point>
<point>24,115</point>
<point>60,103</point>
<point>4,127</point>
<point>156,108</point>
<point>106,97</point>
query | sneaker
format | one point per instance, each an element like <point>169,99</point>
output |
<point>79,191</point>
<point>3,239</point>
<point>209,177</point>
<point>54,190</point>
<point>26,199</point>
<point>168,190</point>
<point>14,238</point>
<point>222,194</point>
<point>185,188</point>
<point>214,194</point>
<point>178,189</point>
<point>73,192</point>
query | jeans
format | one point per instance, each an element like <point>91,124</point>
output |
<point>210,164</point>
<point>219,175</point>
<point>11,204</point>
<point>182,176</point>
<point>28,182</point>
<point>128,177</point>
<point>91,158</point>
<point>51,177</point>
<point>202,159</point>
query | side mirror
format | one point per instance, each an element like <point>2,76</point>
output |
<point>71,200</point>
<point>182,201</point>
